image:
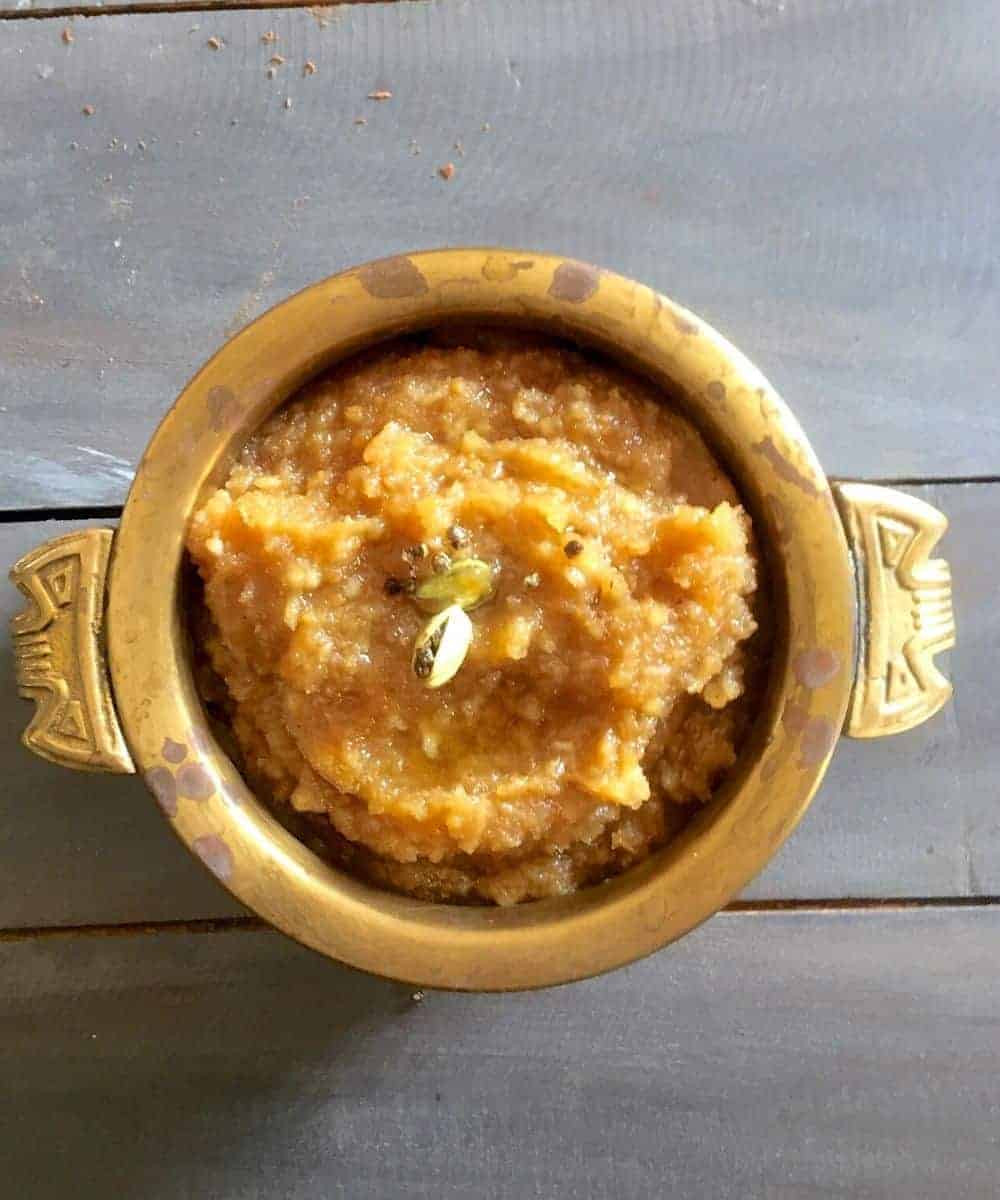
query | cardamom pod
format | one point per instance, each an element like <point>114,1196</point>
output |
<point>467,582</point>
<point>441,647</point>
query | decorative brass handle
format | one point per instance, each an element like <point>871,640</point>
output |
<point>906,609</point>
<point>59,653</point>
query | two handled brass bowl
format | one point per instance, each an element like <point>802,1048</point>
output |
<point>861,609</point>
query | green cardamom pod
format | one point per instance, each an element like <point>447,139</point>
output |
<point>467,582</point>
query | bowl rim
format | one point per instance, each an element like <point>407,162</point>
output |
<point>543,942</point>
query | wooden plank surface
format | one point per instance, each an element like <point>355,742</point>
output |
<point>909,816</point>
<point>792,1056</point>
<point>817,178</point>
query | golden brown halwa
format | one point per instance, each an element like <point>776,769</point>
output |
<point>600,692</point>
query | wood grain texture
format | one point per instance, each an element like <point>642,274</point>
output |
<point>786,1057</point>
<point>909,816</point>
<point>816,178</point>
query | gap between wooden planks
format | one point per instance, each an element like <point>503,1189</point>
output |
<point>164,6</point>
<point>211,925</point>
<point>113,512</point>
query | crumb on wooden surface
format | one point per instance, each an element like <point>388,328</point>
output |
<point>269,37</point>
<point>214,43</point>
<point>360,120</point>
<point>88,110</point>
<point>323,14</point>
<point>380,94</point>
<point>447,171</point>
<point>277,60</point>
<point>67,35</point>
<point>309,67</point>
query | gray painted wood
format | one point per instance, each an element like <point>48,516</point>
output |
<point>914,815</point>
<point>782,1056</point>
<point>817,178</point>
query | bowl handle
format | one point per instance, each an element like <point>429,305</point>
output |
<point>905,608</point>
<point>60,657</point>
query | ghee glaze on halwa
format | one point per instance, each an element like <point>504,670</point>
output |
<point>600,689</point>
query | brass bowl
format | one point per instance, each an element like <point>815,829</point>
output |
<point>860,611</point>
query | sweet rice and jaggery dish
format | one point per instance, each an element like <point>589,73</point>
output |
<point>483,610</point>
